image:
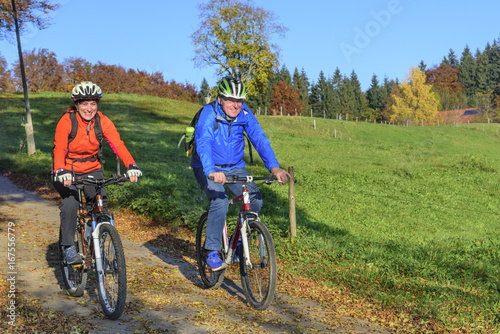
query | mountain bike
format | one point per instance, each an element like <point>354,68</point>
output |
<point>252,240</point>
<point>99,245</point>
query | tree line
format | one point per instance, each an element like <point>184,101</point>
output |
<point>45,73</point>
<point>471,81</point>
<point>245,50</point>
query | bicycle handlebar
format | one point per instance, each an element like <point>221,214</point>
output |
<point>116,179</point>
<point>231,179</point>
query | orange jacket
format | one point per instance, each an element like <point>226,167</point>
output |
<point>85,144</point>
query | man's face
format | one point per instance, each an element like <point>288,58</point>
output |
<point>231,106</point>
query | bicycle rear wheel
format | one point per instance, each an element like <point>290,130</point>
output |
<point>259,279</point>
<point>74,276</point>
<point>112,280</point>
<point>211,279</point>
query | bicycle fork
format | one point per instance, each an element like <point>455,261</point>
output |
<point>97,254</point>
<point>242,227</point>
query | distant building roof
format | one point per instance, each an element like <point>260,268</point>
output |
<point>459,115</point>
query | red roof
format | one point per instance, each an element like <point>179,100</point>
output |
<point>458,116</point>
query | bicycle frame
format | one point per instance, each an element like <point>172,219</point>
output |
<point>258,266</point>
<point>95,212</point>
<point>101,248</point>
<point>241,227</point>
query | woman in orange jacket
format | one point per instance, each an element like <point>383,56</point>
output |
<point>79,155</point>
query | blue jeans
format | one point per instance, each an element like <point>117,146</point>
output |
<point>219,203</point>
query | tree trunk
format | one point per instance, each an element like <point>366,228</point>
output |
<point>30,138</point>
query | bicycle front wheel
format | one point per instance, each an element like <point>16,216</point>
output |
<point>211,279</point>
<point>74,276</point>
<point>112,279</point>
<point>259,278</point>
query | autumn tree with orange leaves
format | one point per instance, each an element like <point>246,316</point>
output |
<point>43,71</point>
<point>286,97</point>
<point>444,78</point>
<point>29,12</point>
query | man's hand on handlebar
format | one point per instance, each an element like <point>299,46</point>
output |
<point>281,174</point>
<point>218,177</point>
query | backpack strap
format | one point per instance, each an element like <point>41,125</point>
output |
<point>74,127</point>
<point>98,134</point>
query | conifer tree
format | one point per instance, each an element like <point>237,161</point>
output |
<point>301,83</point>
<point>284,75</point>
<point>422,66</point>
<point>494,68</point>
<point>347,98</point>
<point>337,79</point>
<point>359,102</point>
<point>375,95</point>
<point>452,59</point>
<point>482,71</point>
<point>467,74</point>
<point>204,92</point>
<point>322,99</point>
<point>318,95</point>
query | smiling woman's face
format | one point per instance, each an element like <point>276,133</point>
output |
<point>87,109</point>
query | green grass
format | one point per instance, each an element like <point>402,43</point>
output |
<point>404,216</point>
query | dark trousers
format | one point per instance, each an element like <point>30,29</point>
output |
<point>69,205</point>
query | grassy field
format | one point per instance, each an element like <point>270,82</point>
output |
<point>407,217</point>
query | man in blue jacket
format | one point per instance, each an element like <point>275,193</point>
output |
<point>220,151</point>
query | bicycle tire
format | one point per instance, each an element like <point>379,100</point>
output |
<point>74,275</point>
<point>211,279</point>
<point>259,281</point>
<point>112,281</point>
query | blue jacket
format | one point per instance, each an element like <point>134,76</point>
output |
<point>223,149</point>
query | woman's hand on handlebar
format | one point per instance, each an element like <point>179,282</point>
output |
<point>218,177</point>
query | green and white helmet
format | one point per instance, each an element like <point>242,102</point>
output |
<point>86,90</point>
<point>231,87</point>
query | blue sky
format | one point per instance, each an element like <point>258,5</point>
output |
<point>382,37</point>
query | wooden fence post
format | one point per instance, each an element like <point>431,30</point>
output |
<point>291,201</point>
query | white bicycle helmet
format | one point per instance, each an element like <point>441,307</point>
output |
<point>86,90</point>
<point>231,87</point>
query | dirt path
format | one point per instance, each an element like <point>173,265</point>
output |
<point>165,293</point>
